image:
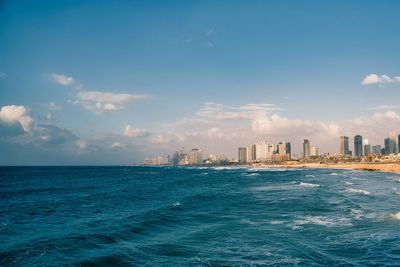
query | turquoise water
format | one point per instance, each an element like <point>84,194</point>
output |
<point>169,216</point>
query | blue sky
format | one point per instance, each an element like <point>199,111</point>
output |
<point>172,59</point>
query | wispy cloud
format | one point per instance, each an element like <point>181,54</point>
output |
<point>385,107</point>
<point>96,101</point>
<point>53,106</point>
<point>380,79</point>
<point>62,79</point>
<point>130,131</point>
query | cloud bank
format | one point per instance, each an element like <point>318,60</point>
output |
<point>96,101</point>
<point>380,79</point>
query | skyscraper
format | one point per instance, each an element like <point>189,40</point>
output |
<point>376,149</point>
<point>358,146</point>
<point>367,150</point>
<point>392,135</point>
<point>195,156</point>
<point>306,149</point>
<point>251,153</point>
<point>289,149</point>
<point>389,146</point>
<point>344,145</point>
<point>242,155</point>
<point>314,151</point>
<point>398,144</point>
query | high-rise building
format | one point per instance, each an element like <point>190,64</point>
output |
<point>251,153</point>
<point>367,150</point>
<point>264,151</point>
<point>242,154</point>
<point>289,149</point>
<point>376,149</point>
<point>195,157</point>
<point>393,137</point>
<point>398,144</point>
<point>281,148</point>
<point>389,146</point>
<point>358,146</point>
<point>344,145</point>
<point>306,149</point>
<point>314,151</point>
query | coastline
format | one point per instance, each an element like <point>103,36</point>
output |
<point>392,167</point>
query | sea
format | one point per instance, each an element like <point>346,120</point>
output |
<point>205,216</point>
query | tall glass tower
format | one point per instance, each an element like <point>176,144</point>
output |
<point>358,146</point>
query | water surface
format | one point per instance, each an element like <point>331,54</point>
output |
<point>169,216</point>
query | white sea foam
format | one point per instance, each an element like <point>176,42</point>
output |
<point>251,174</point>
<point>176,204</point>
<point>310,175</point>
<point>348,183</point>
<point>328,221</point>
<point>358,191</point>
<point>396,216</point>
<point>333,173</point>
<point>308,185</point>
<point>358,214</point>
<point>277,222</point>
<point>224,168</point>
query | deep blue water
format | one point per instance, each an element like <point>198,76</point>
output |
<point>168,216</point>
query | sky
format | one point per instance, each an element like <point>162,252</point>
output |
<point>113,82</point>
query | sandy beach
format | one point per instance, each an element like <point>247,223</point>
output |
<point>393,167</point>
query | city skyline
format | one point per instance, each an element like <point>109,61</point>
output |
<point>216,76</point>
<point>267,152</point>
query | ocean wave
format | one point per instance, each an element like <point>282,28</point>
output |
<point>227,168</point>
<point>358,191</point>
<point>277,222</point>
<point>302,184</point>
<point>251,174</point>
<point>358,214</point>
<point>395,216</point>
<point>348,183</point>
<point>310,175</point>
<point>333,173</point>
<point>176,204</point>
<point>327,221</point>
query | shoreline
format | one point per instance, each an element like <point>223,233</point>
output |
<point>367,166</point>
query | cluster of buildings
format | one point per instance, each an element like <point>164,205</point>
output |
<point>193,157</point>
<point>267,152</point>
<point>363,148</point>
<point>264,151</point>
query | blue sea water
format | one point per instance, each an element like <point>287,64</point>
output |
<point>170,216</point>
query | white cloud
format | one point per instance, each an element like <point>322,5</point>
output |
<point>16,114</point>
<point>96,101</point>
<point>385,107</point>
<point>49,117</point>
<point>134,132</point>
<point>62,79</point>
<point>118,145</point>
<point>53,106</point>
<point>167,138</point>
<point>101,102</point>
<point>220,128</point>
<point>380,79</point>
<point>221,112</point>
